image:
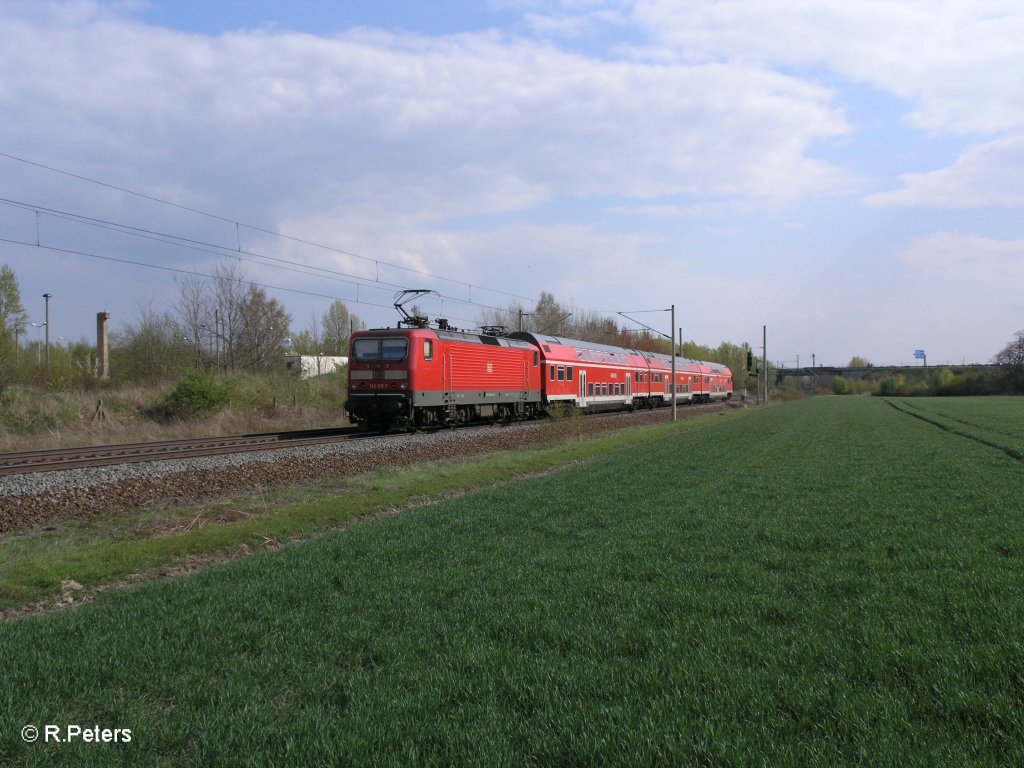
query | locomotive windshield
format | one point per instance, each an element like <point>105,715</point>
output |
<point>365,350</point>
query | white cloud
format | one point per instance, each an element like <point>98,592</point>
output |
<point>449,119</point>
<point>966,259</point>
<point>984,175</point>
<point>959,61</point>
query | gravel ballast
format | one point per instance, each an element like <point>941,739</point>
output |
<point>30,499</point>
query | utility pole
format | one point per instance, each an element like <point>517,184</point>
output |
<point>675,416</point>
<point>671,336</point>
<point>764,360</point>
<point>47,324</point>
<point>18,330</point>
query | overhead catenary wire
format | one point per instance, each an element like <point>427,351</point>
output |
<point>255,228</point>
<point>194,273</point>
<point>215,249</point>
<point>233,252</point>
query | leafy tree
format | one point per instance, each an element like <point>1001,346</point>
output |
<point>304,343</point>
<point>13,320</point>
<point>858,362</point>
<point>941,381</point>
<point>338,324</point>
<point>892,386</point>
<point>13,316</point>
<point>548,316</point>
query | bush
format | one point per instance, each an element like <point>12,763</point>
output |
<point>196,394</point>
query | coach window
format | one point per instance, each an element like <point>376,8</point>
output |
<point>428,349</point>
<point>590,389</point>
<point>552,373</point>
<point>568,373</point>
<point>561,373</point>
<point>536,359</point>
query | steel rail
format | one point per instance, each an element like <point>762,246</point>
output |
<point>57,459</point>
<point>53,460</point>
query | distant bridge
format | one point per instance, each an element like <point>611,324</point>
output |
<point>825,371</point>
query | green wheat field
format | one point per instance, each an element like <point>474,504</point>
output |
<point>837,581</point>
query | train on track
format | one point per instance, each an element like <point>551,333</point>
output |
<point>417,376</point>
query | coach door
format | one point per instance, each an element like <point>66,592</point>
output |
<point>583,388</point>
<point>447,395</point>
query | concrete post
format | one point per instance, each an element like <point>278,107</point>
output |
<point>102,346</point>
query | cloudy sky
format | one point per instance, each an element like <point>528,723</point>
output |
<point>850,174</point>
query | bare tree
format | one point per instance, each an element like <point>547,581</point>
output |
<point>231,322</point>
<point>1011,360</point>
<point>264,327</point>
<point>195,310</point>
<point>151,349</point>
<point>229,292</point>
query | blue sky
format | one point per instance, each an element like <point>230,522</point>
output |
<point>848,174</point>
<point>328,17</point>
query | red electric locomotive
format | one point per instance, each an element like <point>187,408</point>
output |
<point>418,377</point>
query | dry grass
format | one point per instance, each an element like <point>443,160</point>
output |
<point>33,418</point>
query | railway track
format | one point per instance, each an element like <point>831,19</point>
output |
<point>53,460</point>
<point>25,462</point>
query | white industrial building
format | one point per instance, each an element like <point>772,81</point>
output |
<point>309,366</point>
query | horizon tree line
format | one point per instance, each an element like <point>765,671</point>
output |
<point>228,324</point>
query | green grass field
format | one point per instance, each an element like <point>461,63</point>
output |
<point>828,582</point>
